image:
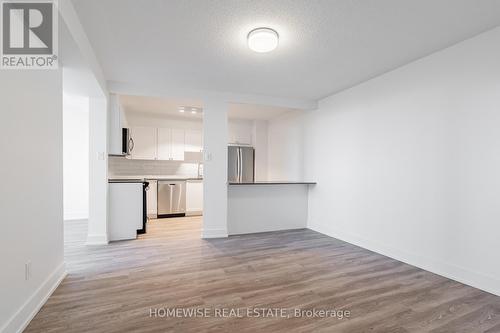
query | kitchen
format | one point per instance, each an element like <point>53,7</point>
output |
<point>155,170</point>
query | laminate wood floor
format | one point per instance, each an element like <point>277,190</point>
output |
<point>113,288</point>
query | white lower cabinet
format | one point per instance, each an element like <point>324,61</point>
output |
<point>151,199</point>
<point>125,210</point>
<point>194,197</point>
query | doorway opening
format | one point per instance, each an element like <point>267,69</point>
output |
<point>75,169</point>
<point>167,153</point>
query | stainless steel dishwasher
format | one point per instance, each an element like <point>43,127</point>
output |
<point>171,198</point>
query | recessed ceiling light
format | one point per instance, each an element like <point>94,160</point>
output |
<point>262,40</point>
<point>193,111</point>
<point>181,110</point>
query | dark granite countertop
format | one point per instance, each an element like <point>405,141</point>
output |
<point>273,182</point>
<point>126,180</point>
<point>166,178</point>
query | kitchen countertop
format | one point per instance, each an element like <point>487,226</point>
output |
<point>142,178</point>
<point>116,180</point>
<point>170,178</point>
<point>273,182</point>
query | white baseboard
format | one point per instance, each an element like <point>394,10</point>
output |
<point>97,239</point>
<point>194,213</point>
<point>214,233</point>
<point>20,320</point>
<point>450,271</point>
<point>250,231</point>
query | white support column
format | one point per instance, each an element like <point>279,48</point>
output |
<point>98,158</point>
<point>260,144</point>
<point>215,169</point>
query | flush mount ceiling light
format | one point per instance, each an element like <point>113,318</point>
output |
<point>191,109</point>
<point>262,40</point>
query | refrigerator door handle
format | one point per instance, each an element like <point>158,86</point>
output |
<point>237,165</point>
<point>240,154</point>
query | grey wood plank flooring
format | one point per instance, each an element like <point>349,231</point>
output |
<point>112,288</point>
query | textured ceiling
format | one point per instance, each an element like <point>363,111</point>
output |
<point>325,46</point>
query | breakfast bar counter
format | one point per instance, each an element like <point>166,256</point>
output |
<point>254,207</point>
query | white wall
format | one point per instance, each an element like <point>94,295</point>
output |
<point>260,143</point>
<point>98,199</point>
<point>76,157</point>
<point>215,169</point>
<point>285,147</point>
<point>31,194</point>
<point>407,164</point>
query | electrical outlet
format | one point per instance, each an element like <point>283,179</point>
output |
<point>27,270</point>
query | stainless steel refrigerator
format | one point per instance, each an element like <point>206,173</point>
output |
<point>240,161</point>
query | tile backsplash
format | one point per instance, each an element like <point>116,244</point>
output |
<point>120,166</point>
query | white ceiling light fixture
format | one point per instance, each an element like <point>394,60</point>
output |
<point>190,109</point>
<point>263,40</point>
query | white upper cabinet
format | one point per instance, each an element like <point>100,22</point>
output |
<point>151,143</point>
<point>164,143</point>
<point>194,141</point>
<point>170,144</point>
<point>117,120</point>
<point>240,133</point>
<point>144,146</point>
<point>177,145</point>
